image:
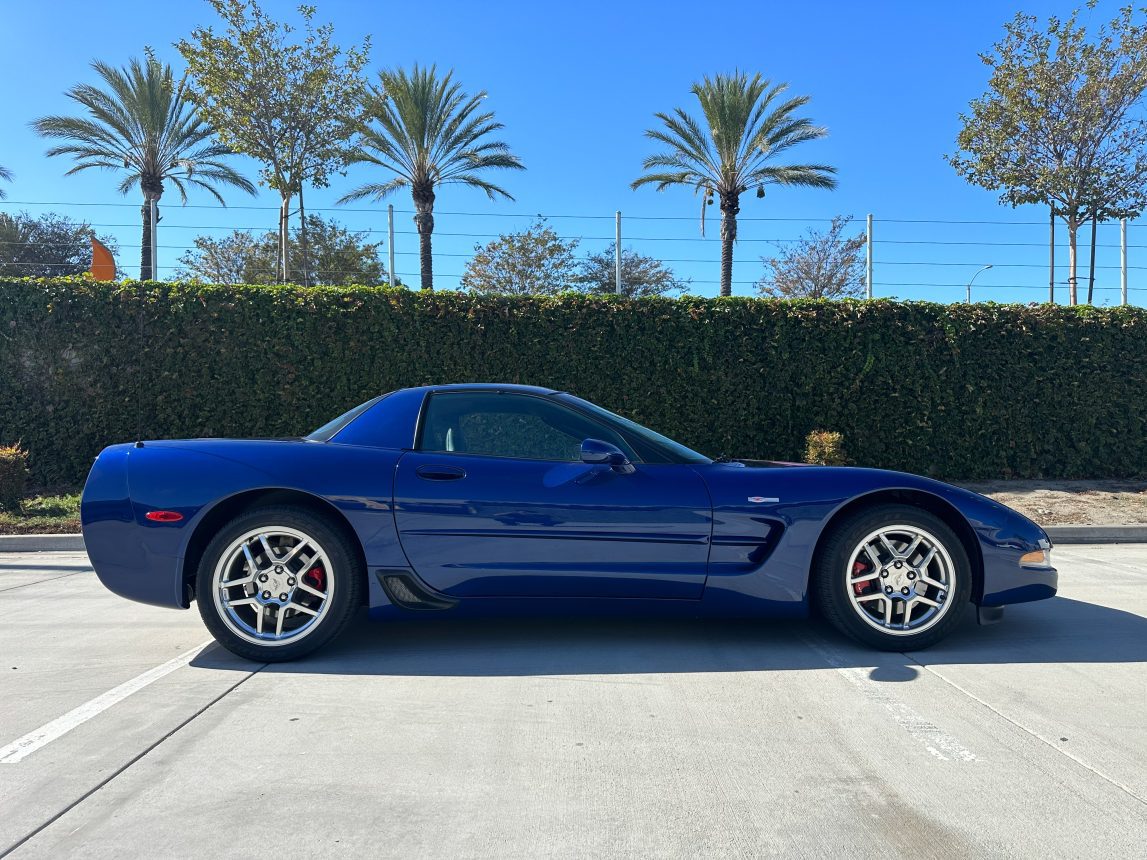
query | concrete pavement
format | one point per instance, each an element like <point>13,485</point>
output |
<point>587,738</point>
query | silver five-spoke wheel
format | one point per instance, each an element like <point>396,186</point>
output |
<point>273,586</point>
<point>900,579</point>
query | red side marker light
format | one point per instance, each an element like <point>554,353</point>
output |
<point>164,516</point>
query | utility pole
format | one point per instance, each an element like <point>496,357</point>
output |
<point>154,239</point>
<point>303,235</point>
<point>1051,261</point>
<point>868,261</point>
<point>390,242</point>
<point>617,253</point>
<point>1122,261</point>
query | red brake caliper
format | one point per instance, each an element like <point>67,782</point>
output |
<point>859,567</point>
<point>317,578</point>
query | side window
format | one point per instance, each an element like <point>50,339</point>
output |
<point>509,425</point>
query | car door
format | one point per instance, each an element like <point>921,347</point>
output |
<point>496,502</point>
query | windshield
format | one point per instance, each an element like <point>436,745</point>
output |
<point>667,451</point>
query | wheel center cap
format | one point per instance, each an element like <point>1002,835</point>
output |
<point>898,578</point>
<point>278,586</point>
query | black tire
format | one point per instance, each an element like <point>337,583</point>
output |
<point>831,585</point>
<point>340,576</point>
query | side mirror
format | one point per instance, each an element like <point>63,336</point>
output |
<point>598,453</point>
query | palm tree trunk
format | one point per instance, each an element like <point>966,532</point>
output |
<point>424,220</point>
<point>145,273</point>
<point>729,209</point>
<point>1072,259</point>
<point>1091,274</point>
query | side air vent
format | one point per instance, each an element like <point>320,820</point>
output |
<point>405,590</point>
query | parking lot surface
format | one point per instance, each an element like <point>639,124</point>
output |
<point>121,736</point>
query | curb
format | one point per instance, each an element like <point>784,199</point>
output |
<point>41,543</point>
<point>1060,536</point>
<point>1063,535</point>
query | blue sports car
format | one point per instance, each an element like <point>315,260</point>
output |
<point>500,499</point>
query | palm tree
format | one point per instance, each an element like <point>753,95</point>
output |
<point>428,134</point>
<point>6,175</point>
<point>141,124</point>
<point>748,127</point>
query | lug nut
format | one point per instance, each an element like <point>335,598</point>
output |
<point>888,589</point>
<point>263,578</point>
<point>283,596</point>
<point>290,580</point>
<point>266,595</point>
<point>899,565</point>
<point>905,591</point>
<point>884,574</point>
<point>911,575</point>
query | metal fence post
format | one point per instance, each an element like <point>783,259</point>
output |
<point>617,253</point>
<point>1123,261</point>
<point>868,261</point>
<point>390,242</point>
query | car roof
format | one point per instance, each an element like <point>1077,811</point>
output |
<point>489,386</point>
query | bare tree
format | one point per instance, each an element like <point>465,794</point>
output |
<point>823,264</point>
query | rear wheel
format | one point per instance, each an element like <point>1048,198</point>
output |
<point>277,583</point>
<point>894,577</point>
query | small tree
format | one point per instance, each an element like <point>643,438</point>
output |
<point>640,275</point>
<point>824,264</point>
<point>48,246</point>
<point>292,106</point>
<point>239,258</point>
<point>825,448</point>
<point>335,256</point>
<point>534,261</point>
<point>1057,126</point>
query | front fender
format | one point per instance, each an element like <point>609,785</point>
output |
<point>788,508</point>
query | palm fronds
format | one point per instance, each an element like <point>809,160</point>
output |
<point>428,132</point>
<point>139,122</point>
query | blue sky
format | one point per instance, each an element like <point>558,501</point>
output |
<point>576,85</point>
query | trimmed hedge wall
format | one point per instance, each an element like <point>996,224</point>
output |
<point>955,391</point>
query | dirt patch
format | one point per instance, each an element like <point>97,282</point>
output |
<point>1056,503</point>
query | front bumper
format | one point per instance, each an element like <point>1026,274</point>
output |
<point>1020,585</point>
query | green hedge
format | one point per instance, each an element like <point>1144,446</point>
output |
<point>956,391</point>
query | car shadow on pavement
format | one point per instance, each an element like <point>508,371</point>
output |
<point>1052,631</point>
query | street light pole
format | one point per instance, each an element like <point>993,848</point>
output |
<point>984,269</point>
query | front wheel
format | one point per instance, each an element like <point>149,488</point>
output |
<point>277,583</point>
<point>894,577</point>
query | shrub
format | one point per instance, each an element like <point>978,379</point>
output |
<point>825,448</point>
<point>965,391</point>
<point>13,476</point>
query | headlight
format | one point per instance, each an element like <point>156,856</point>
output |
<point>1038,558</point>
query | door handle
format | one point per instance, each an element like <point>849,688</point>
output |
<point>441,473</point>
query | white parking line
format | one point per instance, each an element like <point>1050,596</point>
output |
<point>57,728</point>
<point>938,742</point>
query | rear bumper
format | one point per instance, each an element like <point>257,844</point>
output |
<point>118,546</point>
